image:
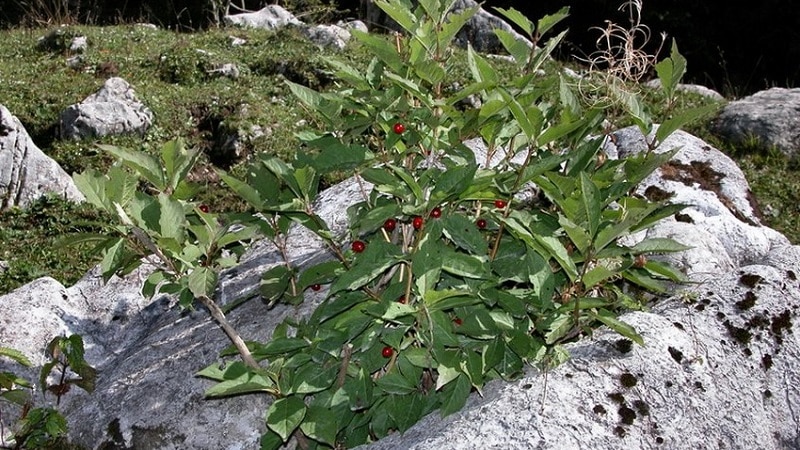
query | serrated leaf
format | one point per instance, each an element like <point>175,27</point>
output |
<point>203,282</point>
<point>463,265</point>
<point>242,189</point>
<point>285,415</point>
<point>671,70</point>
<point>334,155</point>
<point>514,46</point>
<point>518,19</point>
<point>145,165</point>
<point>558,328</point>
<point>399,12</point>
<point>597,275</point>
<point>549,21</point>
<point>171,218</point>
<point>590,199</point>
<point>274,283</point>
<point>92,186</point>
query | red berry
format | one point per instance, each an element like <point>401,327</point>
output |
<point>417,222</point>
<point>358,246</point>
<point>389,225</point>
<point>203,208</point>
<point>387,352</point>
<point>399,128</point>
<point>402,300</point>
<point>315,287</point>
<point>436,213</point>
<point>481,223</point>
<point>458,321</point>
<point>499,204</point>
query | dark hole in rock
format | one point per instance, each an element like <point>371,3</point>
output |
<point>766,361</point>
<point>679,326</point>
<point>676,354</point>
<point>623,345</point>
<point>699,385</point>
<point>628,380</point>
<point>619,431</point>
<point>747,302</point>
<point>656,194</point>
<point>740,335</point>
<point>641,407</point>
<point>626,415</point>
<point>747,352</point>
<point>685,218</point>
<point>599,409</point>
<point>617,397</point>
<point>700,307</point>
<point>750,280</point>
<point>791,275</point>
<point>767,393</point>
<point>721,315</point>
<point>659,440</point>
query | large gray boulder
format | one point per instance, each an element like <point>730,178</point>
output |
<point>112,110</point>
<point>717,367</point>
<point>26,173</point>
<point>769,119</point>
<point>271,17</point>
<point>479,31</point>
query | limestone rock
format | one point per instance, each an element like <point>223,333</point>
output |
<point>770,118</point>
<point>718,365</point>
<point>333,36</point>
<point>479,31</point>
<point>112,110</point>
<point>271,17</point>
<point>25,172</point>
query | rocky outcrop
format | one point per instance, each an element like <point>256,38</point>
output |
<point>26,173</point>
<point>112,110</point>
<point>718,364</point>
<point>768,119</point>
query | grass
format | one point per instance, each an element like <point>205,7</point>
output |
<point>172,73</point>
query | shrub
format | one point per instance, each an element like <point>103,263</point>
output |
<point>455,270</point>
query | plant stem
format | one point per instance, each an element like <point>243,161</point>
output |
<point>233,335</point>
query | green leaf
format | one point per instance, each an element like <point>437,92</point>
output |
<point>455,22</point>
<point>681,118</point>
<point>514,46</point>
<point>395,383</point>
<point>113,258</point>
<point>400,13</point>
<point>16,356</point>
<point>671,70</point>
<point>321,424</point>
<point>463,232</point>
<point>245,382</point>
<point>549,21</point>
<point>382,48</point>
<point>171,218</point>
<point>145,165</point>
<point>334,155</point>
<point>281,346</point>
<point>518,19</point>
<point>463,265</point>
<point>409,180</point>
<point>270,441</point>
<point>378,257</point>
<point>456,395</point>
<point>312,378</point>
<point>242,189</point>
<point>658,245</point>
<point>285,415</point>
<point>610,320</point>
<point>452,182</point>
<point>203,282</point>
<point>274,283</point>
<point>590,199</point>
<point>93,186</point>
<point>597,275</point>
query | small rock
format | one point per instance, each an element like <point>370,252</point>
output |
<point>112,110</point>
